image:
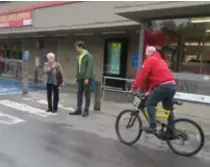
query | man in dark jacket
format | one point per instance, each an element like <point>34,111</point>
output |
<point>85,76</point>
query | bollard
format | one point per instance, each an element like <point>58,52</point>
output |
<point>97,100</point>
<point>25,72</point>
<point>36,76</point>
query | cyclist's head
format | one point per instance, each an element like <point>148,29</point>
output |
<point>150,50</point>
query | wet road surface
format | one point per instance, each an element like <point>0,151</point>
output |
<point>51,145</point>
<point>63,141</point>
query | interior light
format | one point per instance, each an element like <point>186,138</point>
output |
<point>200,20</point>
<point>113,32</point>
<point>84,34</point>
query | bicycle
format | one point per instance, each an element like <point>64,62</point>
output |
<point>163,132</point>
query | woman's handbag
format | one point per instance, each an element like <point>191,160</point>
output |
<point>59,77</point>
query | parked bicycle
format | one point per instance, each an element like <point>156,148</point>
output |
<point>162,115</point>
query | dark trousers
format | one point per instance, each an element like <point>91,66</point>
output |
<point>163,93</point>
<point>52,89</point>
<point>83,88</point>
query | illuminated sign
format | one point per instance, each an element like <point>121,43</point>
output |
<point>20,19</point>
<point>114,54</point>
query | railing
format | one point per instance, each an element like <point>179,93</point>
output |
<point>183,95</point>
<point>108,88</point>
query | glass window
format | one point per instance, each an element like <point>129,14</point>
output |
<point>185,45</point>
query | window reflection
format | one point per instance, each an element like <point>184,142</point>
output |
<point>186,48</point>
<point>184,43</point>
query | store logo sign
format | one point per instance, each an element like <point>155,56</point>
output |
<point>20,19</point>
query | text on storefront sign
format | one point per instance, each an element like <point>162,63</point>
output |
<point>16,20</point>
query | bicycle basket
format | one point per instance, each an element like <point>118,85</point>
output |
<point>136,101</point>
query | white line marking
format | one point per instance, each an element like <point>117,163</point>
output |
<point>60,105</point>
<point>9,120</point>
<point>45,103</point>
<point>25,108</point>
<point>42,101</point>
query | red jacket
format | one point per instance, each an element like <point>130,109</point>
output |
<point>154,70</point>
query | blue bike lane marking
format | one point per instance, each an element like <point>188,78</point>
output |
<point>8,87</point>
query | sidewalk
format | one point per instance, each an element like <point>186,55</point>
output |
<point>102,122</point>
<point>199,113</point>
<point>108,106</point>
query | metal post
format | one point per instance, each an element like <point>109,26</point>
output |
<point>141,43</point>
<point>97,102</point>
<point>57,48</point>
<point>103,87</point>
<point>36,76</point>
<point>141,46</point>
<point>24,71</point>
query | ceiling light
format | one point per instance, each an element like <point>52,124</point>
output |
<point>83,34</point>
<point>113,32</point>
<point>60,35</point>
<point>200,20</point>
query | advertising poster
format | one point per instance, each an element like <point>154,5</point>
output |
<point>114,53</point>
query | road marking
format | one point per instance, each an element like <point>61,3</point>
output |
<point>25,108</point>
<point>60,105</point>
<point>45,103</point>
<point>9,120</point>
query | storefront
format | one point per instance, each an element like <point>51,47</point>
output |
<point>182,35</point>
<point>42,27</point>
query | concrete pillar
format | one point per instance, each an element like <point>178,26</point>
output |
<point>141,43</point>
<point>57,49</point>
<point>141,46</point>
<point>97,100</point>
<point>24,71</point>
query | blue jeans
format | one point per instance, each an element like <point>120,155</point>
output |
<point>163,93</point>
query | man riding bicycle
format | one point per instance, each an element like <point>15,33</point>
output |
<point>161,85</point>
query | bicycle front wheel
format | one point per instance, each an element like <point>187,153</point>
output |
<point>131,123</point>
<point>186,130</point>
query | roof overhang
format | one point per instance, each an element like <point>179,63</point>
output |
<point>163,10</point>
<point>127,26</point>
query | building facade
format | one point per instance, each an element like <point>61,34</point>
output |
<point>181,32</point>
<point>116,33</point>
<point>55,26</point>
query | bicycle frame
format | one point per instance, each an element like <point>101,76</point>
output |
<point>161,113</point>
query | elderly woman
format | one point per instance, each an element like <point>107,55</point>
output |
<point>55,77</point>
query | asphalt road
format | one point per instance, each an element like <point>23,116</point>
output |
<point>30,138</point>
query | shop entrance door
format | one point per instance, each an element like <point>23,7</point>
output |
<point>115,61</point>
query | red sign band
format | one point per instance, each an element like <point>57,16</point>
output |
<point>21,19</point>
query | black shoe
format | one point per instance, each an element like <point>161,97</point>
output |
<point>76,112</point>
<point>170,135</point>
<point>54,111</point>
<point>48,110</point>
<point>149,130</point>
<point>85,113</point>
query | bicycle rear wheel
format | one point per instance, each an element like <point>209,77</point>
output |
<point>131,118</point>
<point>183,134</point>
